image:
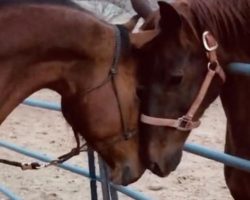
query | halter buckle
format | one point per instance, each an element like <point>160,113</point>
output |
<point>129,134</point>
<point>184,123</point>
<point>206,44</point>
<point>113,71</point>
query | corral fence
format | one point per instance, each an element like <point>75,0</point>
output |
<point>109,190</point>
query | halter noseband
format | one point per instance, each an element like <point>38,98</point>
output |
<point>186,123</point>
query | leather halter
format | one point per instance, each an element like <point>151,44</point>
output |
<point>186,123</point>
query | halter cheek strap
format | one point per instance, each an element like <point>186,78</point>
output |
<point>186,123</point>
<point>120,32</point>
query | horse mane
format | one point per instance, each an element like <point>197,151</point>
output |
<point>68,3</point>
<point>228,20</point>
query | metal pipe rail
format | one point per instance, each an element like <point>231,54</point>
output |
<point>218,156</point>
<point>192,148</point>
<point>240,68</point>
<point>243,164</point>
<point>42,104</point>
<point>75,169</point>
<point>8,193</point>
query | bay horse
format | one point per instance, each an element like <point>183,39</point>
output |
<point>60,46</point>
<point>184,68</point>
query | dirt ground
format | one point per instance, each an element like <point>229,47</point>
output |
<point>196,178</point>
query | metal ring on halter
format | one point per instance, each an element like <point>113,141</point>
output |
<point>209,64</point>
<point>217,69</point>
<point>185,123</point>
<point>205,42</point>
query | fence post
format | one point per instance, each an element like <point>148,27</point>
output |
<point>92,172</point>
<point>108,192</point>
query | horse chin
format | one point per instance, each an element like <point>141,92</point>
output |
<point>155,169</point>
<point>163,169</point>
<point>123,176</point>
<point>115,175</point>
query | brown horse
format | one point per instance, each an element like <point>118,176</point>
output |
<point>183,73</point>
<point>57,45</point>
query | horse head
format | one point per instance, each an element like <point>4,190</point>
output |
<point>88,62</point>
<point>180,76</point>
<point>106,114</point>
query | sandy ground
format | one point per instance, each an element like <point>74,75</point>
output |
<point>196,178</point>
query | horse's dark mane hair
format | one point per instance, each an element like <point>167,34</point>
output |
<point>68,3</point>
<point>228,20</point>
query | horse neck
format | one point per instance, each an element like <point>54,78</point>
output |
<point>45,53</point>
<point>18,82</point>
<point>229,28</point>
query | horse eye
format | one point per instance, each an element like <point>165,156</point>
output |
<point>140,90</point>
<point>175,80</point>
<point>141,87</point>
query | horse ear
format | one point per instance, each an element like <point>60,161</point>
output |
<point>142,7</point>
<point>131,24</point>
<point>141,38</point>
<point>170,20</point>
<point>151,22</point>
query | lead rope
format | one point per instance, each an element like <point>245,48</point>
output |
<point>61,159</point>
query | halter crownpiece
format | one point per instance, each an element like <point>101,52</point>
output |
<point>120,32</point>
<point>186,123</point>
